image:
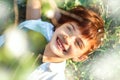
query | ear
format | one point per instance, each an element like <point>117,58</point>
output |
<point>82,58</point>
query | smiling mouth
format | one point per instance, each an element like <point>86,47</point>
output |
<point>60,44</point>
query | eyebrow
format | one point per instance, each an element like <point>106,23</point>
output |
<point>73,26</point>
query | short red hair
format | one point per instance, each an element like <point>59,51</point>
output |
<point>90,24</point>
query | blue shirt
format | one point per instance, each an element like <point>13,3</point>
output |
<point>45,28</point>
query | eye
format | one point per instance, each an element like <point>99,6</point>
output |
<point>69,28</point>
<point>73,27</point>
<point>79,43</point>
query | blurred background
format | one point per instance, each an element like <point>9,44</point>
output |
<point>17,62</point>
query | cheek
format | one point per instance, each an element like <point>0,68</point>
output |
<point>73,52</point>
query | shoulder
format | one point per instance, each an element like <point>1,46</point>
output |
<point>49,71</point>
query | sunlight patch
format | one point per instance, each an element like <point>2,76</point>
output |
<point>106,67</point>
<point>16,42</point>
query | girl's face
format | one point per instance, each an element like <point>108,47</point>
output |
<point>67,42</point>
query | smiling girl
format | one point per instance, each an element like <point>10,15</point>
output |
<point>80,32</point>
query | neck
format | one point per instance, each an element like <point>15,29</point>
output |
<point>49,56</point>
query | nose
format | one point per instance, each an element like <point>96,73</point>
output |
<point>69,39</point>
<point>66,39</point>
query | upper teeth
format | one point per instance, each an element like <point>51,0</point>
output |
<point>59,43</point>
